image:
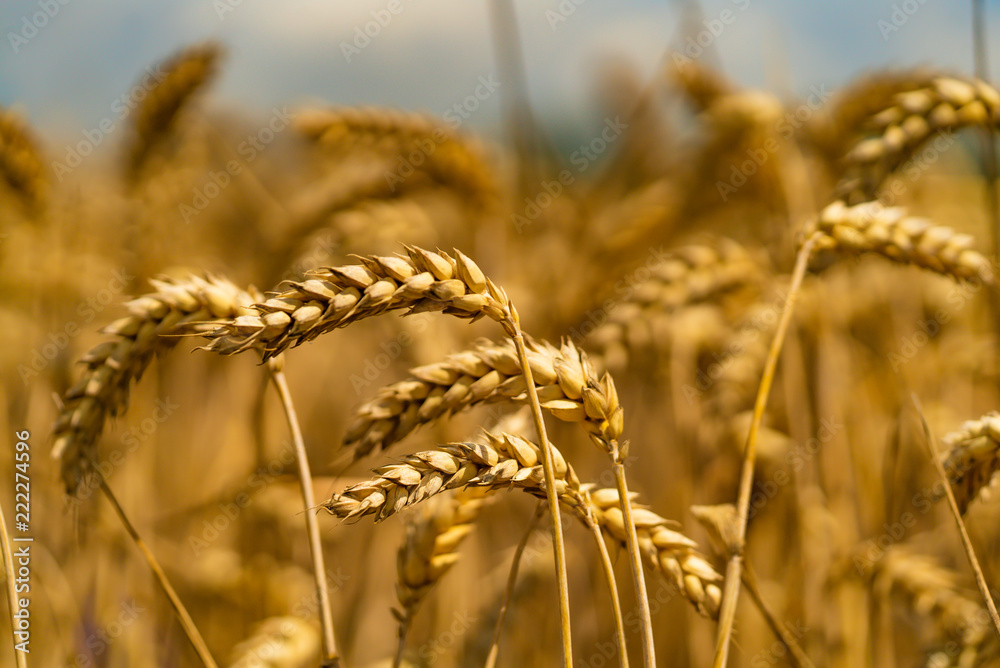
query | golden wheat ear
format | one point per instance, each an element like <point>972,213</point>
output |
<point>169,88</point>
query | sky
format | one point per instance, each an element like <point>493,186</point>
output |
<point>63,63</point>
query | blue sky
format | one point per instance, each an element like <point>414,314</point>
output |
<point>430,54</point>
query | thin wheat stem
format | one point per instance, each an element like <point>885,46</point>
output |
<point>200,648</point>
<point>550,491</point>
<point>797,654</point>
<point>609,576</point>
<point>491,658</point>
<point>635,561</point>
<point>330,657</point>
<point>970,551</point>
<point>8,565</point>
<point>734,568</point>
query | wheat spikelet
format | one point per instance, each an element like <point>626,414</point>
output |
<point>279,642</point>
<point>971,457</point>
<point>890,232</point>
<point>931,590</point>
<point>335,297</point>
<point>418,142</point>
<point>506,461</point>
<point>179,78</point>
<point>176,307</point>
<point>945,104</point>
<point>690,275</point>
<point>21,160</point>
<point>489,372</point>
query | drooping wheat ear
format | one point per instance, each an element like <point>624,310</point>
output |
<point>906,239</point>
<point>971,457</point>
<point>173,84</point>
<point>932,590</point>
<point>506,461</point>
<point>702,86</point>
<point>433,537</point>
<point>279,642</point>
<point>689,275</point>
<point>335,297</point>
<point>417,142</point>
<point>176,307</point>
<point>502,461</point>
<point>431,545</point>
<point>21,163</point>
<point>847,116</point>
<point>490,372</point>
<point>946,104</point>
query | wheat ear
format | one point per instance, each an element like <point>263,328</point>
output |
<point>691,275</point>
<point>890,232</point>
<point>507,461</point>
<point>945,104</point>
<point>971,456</point>
<point>151,328</point>
<point>21,163</point>
<point>179,79</point>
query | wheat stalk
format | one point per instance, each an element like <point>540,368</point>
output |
<point>971,457</point>
<point>890,232</point>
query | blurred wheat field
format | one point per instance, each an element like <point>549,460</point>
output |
<point>627,291</point>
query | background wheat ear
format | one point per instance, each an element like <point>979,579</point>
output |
<point>21,161</point>
<point>155,324</point>
<point>173,83</point>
